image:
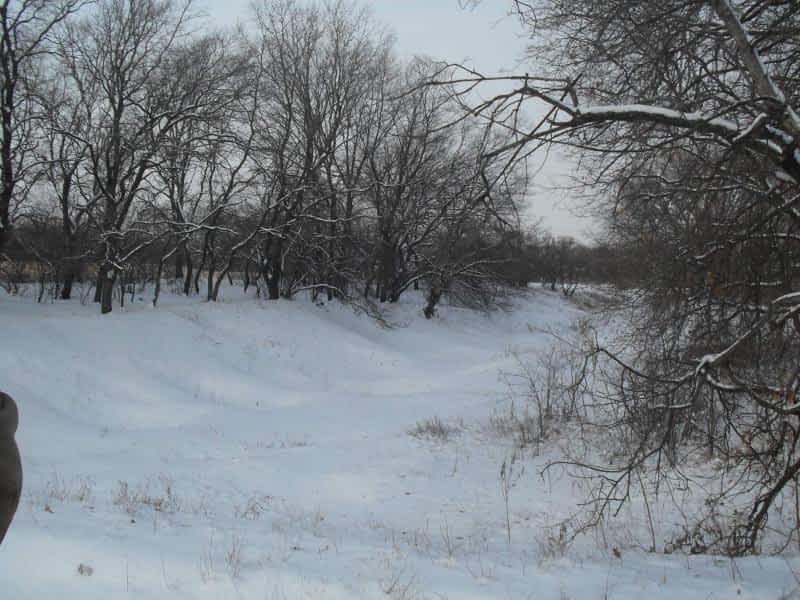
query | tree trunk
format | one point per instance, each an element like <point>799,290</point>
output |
<point>210,282</point>
<point>69,278</point>
<point>98,288</point>
<point>6,153</point>
<point>196,281</point>
<point>434,296</point>
<point>108,277</point>
<point>246,281</point>
<point>159,273</point>
<point>178,266</point>
<point>273,271</point>
<point>274,282</point>
<point>187,279</point>
<point>386,270</point>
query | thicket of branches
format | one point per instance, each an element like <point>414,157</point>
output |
<point>685,113</point>
<point>297,154</point>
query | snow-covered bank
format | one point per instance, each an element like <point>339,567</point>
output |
<point>251,449</point>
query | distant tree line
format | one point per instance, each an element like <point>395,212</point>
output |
<point>299,154</point>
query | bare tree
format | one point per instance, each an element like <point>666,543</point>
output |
<point>26,27</point>
<point>63,159</point>
<point>324,67</point>
<point>688,115</point>
<point>303,153</point>
<point>124,49</point>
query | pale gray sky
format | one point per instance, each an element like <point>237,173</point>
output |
<point>484,37</point>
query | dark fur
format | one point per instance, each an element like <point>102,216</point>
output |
<point>10,464</point>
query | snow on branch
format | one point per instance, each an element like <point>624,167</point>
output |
<point>656,114</point>
<point>764,83</point>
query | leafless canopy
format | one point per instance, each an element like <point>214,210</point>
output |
<point>685,115</point>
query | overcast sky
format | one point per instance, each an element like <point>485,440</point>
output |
<point>486,38</point>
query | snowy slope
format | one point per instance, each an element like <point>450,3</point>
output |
<point>252,449</point>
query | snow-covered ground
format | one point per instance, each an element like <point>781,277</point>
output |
<point>251,449</point>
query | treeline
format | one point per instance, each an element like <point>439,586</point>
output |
<point>36,256</point>
<point>298,153</point>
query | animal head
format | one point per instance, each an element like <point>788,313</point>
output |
<point>9,415</point>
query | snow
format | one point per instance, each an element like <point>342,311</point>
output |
<point>732,17</point>
<point>659,112</point>
<point>254,449</point>
<point>754,125</point>
<point>705,361</point>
